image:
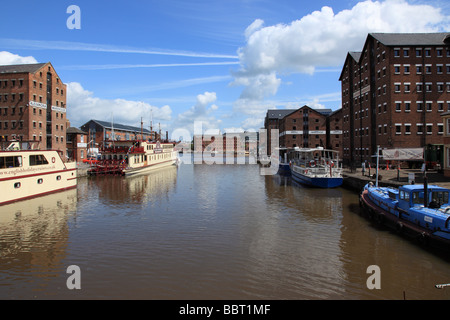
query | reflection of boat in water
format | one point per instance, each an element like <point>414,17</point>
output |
<point>419,210</point>
<point>37,228</point>
<point>139,188</point>
<point>316,167</point>
<point>26,172</point>
<point>132,157</point>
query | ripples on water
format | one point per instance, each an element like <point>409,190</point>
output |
<point>206,232</point>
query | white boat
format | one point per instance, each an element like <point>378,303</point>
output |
<point>132,157</point>
<point>26,172</point>
<point>316,167</point>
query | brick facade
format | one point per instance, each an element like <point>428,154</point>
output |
<point>33,105</point>
<point>77,144</point>
<point>393,94</point>
<point>306,128</point>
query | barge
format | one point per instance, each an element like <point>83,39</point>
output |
<point>420,211</point>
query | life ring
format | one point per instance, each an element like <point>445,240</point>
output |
<point>53,159</point>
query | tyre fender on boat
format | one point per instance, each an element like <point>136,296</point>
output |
<point>422,238</point>
<point>379,218</point>
<point>399,227</point>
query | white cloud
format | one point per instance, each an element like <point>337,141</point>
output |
<point>322,39</point>
<point>8,58</point>
<point>83,106</point>
<point>202,112</point>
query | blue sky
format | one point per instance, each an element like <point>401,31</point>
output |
<point>220,62</point>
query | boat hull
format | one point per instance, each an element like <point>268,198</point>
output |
<point>145,169</point>
<point>24,187</point>
<point>284,169</point>
<point>318,182</point>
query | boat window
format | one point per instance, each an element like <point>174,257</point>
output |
<point>40,181</point>
<point>17,185</point>
<point>440,197</point>
<point>37,160</point>
<point>417,197</point>
<point>401,195</point>
<point>10,162</point>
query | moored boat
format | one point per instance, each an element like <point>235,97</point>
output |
<point>27,172</point>
<point>421,211</point>
<point>132,157</point>
<point>316,167</point>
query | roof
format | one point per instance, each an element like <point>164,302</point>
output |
<point>118,126</point>
<point>281,113</point>
<point>355,55</point>
<point>22,68</point>
<point>75,130</point>
<point>409,39</point>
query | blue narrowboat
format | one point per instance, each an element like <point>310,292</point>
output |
<point>420,210</point>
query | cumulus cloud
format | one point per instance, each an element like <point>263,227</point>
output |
<point>319,39</point>
<point>84,106</point>
<point>322,39</point>
<point>202,112</point>
<point>8,58</point>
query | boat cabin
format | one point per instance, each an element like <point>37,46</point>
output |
<point>414,195</point>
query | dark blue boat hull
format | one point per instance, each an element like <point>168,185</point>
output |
<point>317,182</point>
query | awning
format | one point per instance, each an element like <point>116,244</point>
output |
<point>403,154</point>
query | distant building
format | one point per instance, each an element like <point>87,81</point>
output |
<point>101,133</point>
<point>77,144</point>
<point>33,105</point>
<point>393,94</point>
<point>305,128</point>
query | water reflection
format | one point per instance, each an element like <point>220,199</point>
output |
<point>207,232</point>
<point>33,240</point>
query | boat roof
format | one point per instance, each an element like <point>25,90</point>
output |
<point>420,187</point>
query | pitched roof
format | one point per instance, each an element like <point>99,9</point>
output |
<point>22,68</point>
<point>355,55</point>
<point>281,113</point>
<point>118,126</point>
<point>75,130</point>
<point>409,39</point>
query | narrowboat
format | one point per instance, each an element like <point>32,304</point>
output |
<point>418,210</point>
<point>27,172</point>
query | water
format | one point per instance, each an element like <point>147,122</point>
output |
<point>207,232</point>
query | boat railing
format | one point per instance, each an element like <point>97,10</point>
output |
<point>122,149</point>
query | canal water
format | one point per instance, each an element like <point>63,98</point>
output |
<point>201,231</point>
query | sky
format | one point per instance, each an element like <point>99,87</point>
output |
<point>221,63</point>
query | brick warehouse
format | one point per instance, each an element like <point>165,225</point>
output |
<point>393,94</point>
<point>306,128</point>
<point>33,105</point>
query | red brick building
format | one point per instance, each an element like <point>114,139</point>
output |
<point>446,162</point>
<point>77,144</point>
<point>33,105</point>
<point>306,128</point>
<point>393,94</point>
<point>101,133</point>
